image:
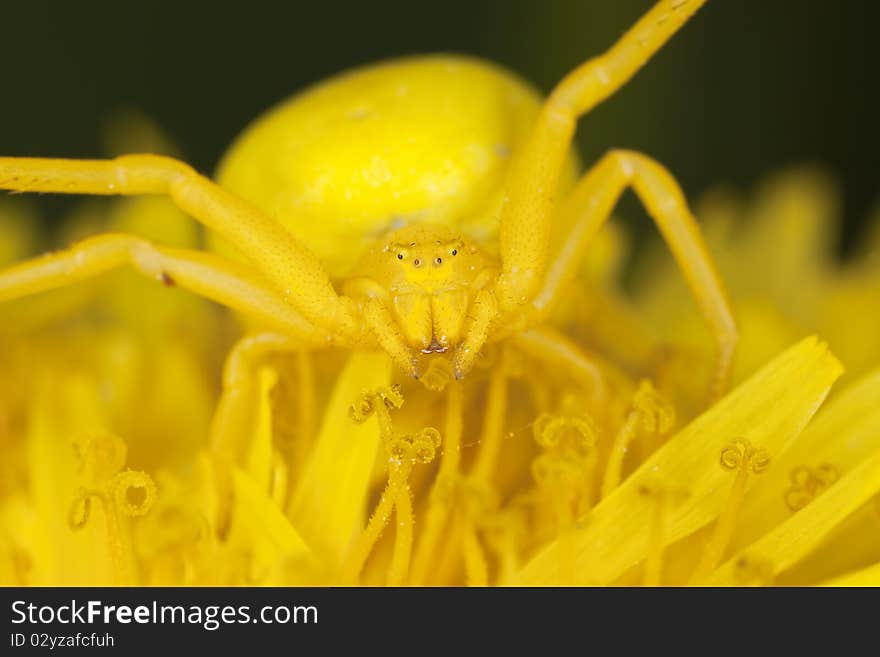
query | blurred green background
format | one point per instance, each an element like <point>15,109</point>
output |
<point>747,87</point>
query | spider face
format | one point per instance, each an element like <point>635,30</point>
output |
<point>429,275</point>
<point>426,266</point>
<point>420,255</point>
<point>428,259</point>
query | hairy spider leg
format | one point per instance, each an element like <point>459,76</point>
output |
<point>553,348</point>
<point>236,408</point>
<point>227,283</point>
<point>532,181</point>
<point>590,205</point>
<point>295,273</point>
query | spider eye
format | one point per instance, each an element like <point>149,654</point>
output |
<point>438,261</point>
<point>417,262</point>
<point>454,251</point>
<point>400,256</point>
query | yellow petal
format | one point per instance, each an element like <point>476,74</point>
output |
<point>329,500</point>
<point>131,131</point>
<point>799,535</point>
<point>258,512</point>
<point>849,316</point>
<point>869,576</point>
<point>852,545</point>
<point>19,533</point>
<point>259,458</point>
<point>64,407</point>
<point>844,432</point>
<point>793,222</point>
<point>165,400</point>
<point>769,410</point>
<point>19,235</point>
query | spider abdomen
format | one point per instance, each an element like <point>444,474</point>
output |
<point>421,140</point>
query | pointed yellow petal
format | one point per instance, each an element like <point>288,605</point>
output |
<point>259,458</point>
<point>847,315</point>
<point>769,410</point>
<point>844,432</point>
<point>19,232</point>
<point>257,511</point>
<point>18,540</point>
<point>329,501</point>
<point>869,576</point>
<point>165,402</point>
<point>852,545</point>
<point>804,531</point>
<point>798,209</point>
<point>64,407</point>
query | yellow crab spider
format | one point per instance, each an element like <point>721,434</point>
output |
<point>390,184</point>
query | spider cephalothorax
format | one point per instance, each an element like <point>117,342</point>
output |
<point>429,276</point>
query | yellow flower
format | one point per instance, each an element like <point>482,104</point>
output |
<point>333,468</point>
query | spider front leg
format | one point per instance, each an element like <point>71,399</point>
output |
<point>236,406</point>
<point>589,206</point>
<point>212,277</point>
<point>534,174</point>
<point>294,272</point>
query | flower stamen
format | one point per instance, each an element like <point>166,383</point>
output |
<point>123,495</point>
<point>655,416</point>
<point>403,452</point>
<point>504,532</point>
<point>563,472</point>
<point>808,483</point>
<point>746,459</point>
<point>476,500</point>
<point>464,533</point>
<point>438,375</point>
<point>475,566</point>
<point>403,539</point>
<point>492,433</point>
<point>438,504</point>
<point>662,497</point>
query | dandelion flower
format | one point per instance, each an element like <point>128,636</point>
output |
<point>334,468</point>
